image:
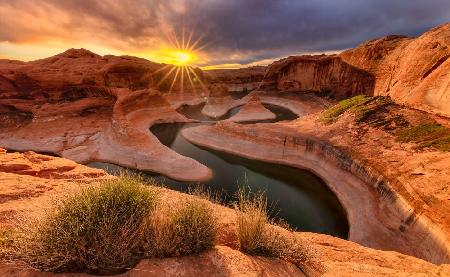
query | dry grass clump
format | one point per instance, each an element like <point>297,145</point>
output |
<point>100,228</point>
<point>285,245</point>
<point>256,236</point>
<point>189,229</point>
<point>108,227</point>
<point>251,220</point>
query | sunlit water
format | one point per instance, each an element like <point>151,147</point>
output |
<point>297,196</point>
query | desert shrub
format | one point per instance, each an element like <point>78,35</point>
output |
<point>442,144</point>
<point>195,227</point>
<point>332,114</point>
<point>6,242</point>
<point>370,106</point>
<point>285,245</point>
<point>189,229</point>
<point>99,229</point>
<point>418,133</point>
<point>256,236</point>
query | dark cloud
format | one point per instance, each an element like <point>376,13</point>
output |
<point>239,31</point>
<point>276,27</point>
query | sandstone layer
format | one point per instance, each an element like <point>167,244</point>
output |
<point>49,177</point>
<point>326,74</point>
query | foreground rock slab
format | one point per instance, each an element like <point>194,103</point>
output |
<point>337,257</point>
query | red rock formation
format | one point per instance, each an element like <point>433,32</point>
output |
<point>91,108</point>
<point>243,79</point>
<point>413,71</point>
<point>253,110</point>
<point>319,73</point>
<point>78,74</point>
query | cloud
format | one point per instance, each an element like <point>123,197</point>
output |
<point>236,31</point>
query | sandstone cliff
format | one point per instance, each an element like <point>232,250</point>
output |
<point>412,71</point>
<point>79,73</point>
<point>319,73</point>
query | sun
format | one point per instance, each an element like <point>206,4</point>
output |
<point>183,58</point>
<point>180,56</point>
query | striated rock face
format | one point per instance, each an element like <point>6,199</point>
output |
<point>412,71</point>
<point>329,74</point>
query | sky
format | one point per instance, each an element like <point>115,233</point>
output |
<point>229,33</point>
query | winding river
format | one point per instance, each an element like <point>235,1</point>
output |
<point>297,196</point>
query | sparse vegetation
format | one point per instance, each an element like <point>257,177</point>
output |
<point>285,245</point>
<point>99,228</point>
<point>6,241</point>
<point>420,132</point>
<point>371,106</point>
<point>426,135</point>
<point>332,114</point>
<point>256,236</point>
<point>380,112</point>
<point>252,218</point>
<point>362,106</point>
<point>108,227</point>
<point>195,227</point>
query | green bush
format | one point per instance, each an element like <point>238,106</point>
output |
<point>427,135</point>
<point>96,230</point>
<point>195,227</point>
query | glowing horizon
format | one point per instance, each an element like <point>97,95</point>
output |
<point>226,34</point>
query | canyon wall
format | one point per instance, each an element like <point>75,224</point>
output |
<point>328,74</point>
<point>79,73</point>
<point>412,71</point>
<point>237,80</point>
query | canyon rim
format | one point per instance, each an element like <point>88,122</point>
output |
<point>340,146</point>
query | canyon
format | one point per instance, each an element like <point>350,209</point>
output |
<point>89,108</point>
